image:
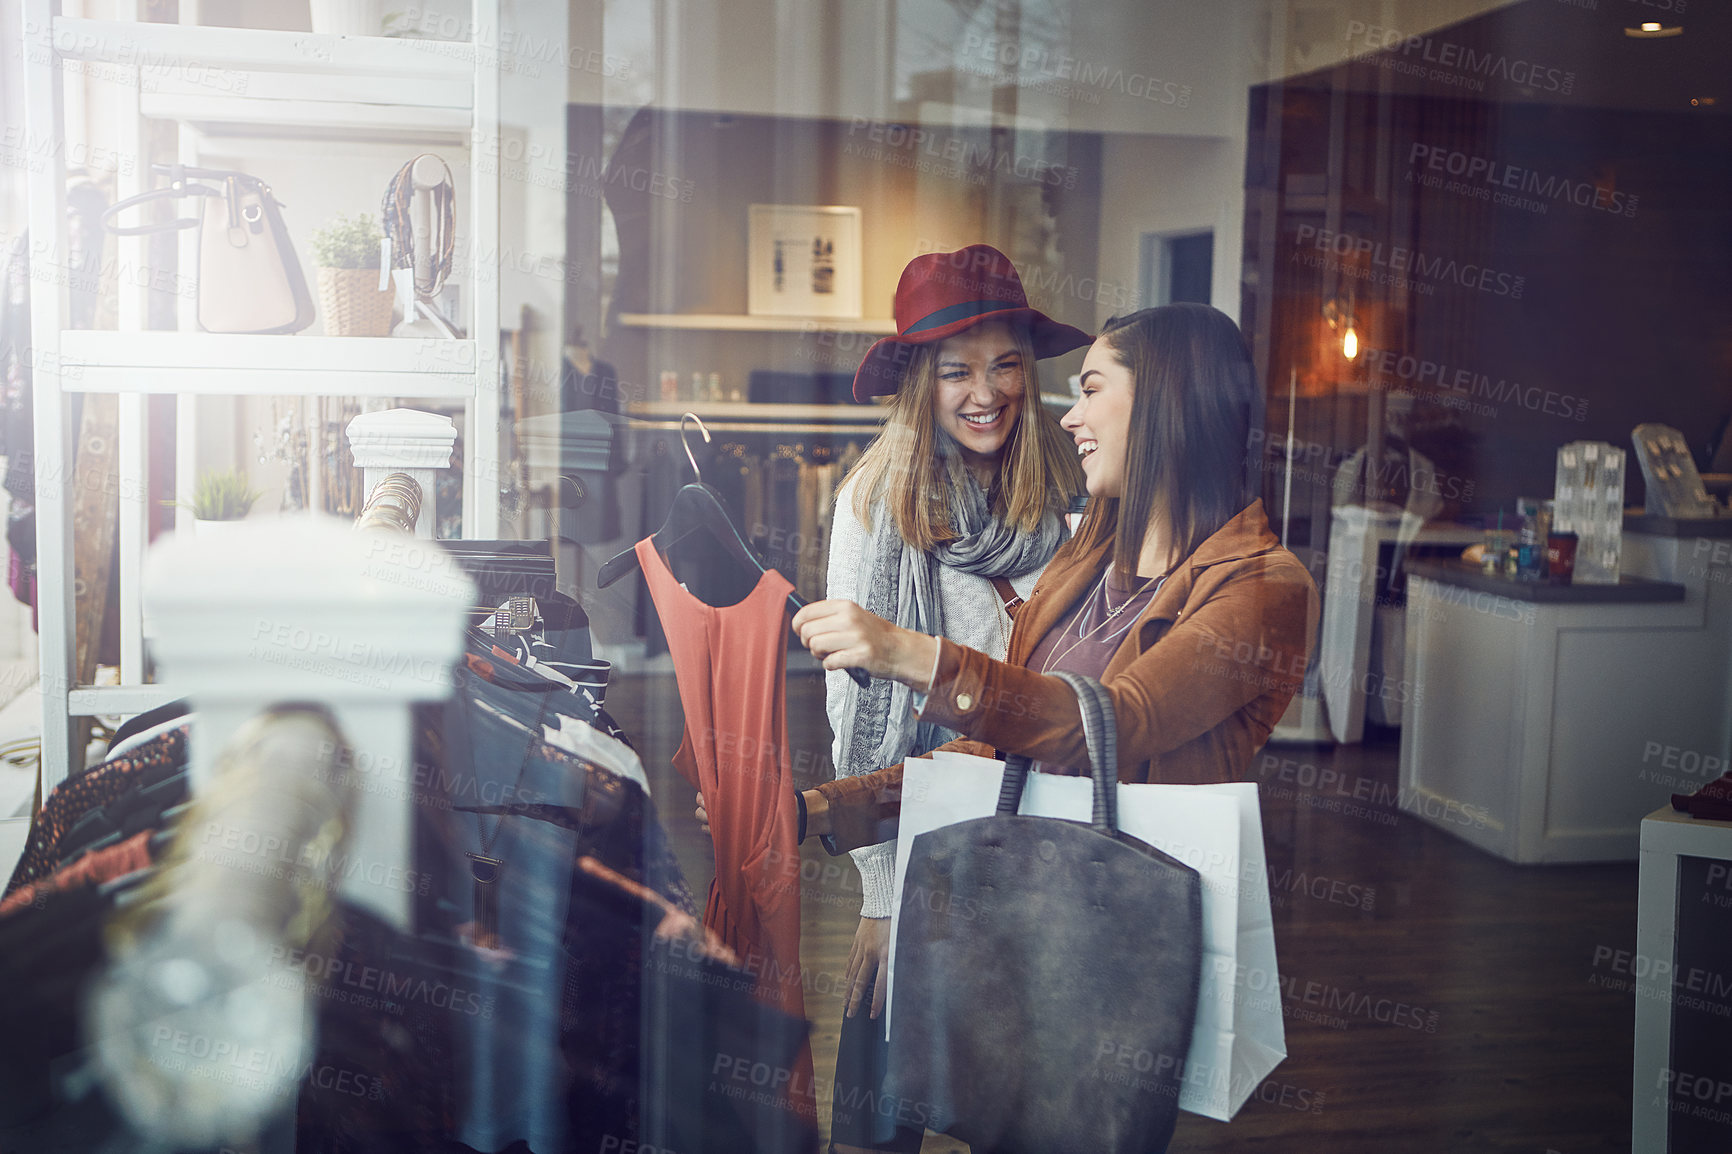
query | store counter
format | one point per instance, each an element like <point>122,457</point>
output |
<point>1555,717</point>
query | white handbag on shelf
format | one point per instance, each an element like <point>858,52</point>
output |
<point>1216,830</point>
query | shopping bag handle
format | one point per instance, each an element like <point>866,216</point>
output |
<point>1100,735</point>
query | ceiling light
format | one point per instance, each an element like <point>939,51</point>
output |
<point>1654,31</point>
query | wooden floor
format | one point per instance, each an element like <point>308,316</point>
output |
<point>1437,998</point>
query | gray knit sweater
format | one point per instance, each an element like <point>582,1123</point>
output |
<point>973,616</point>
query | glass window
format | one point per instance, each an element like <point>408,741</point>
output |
<point>1398,490</point>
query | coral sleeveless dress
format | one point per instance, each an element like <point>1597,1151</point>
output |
<point>731,667</point>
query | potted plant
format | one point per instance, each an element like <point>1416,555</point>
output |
<point>347,254</point>
<point>220,497</point>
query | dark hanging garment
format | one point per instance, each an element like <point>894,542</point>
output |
<point>493,890</point>
<point>99,865</point>
<point>50,954</point>
<point>673,1054</point>
<point>380,1080</point>
<point>83,792</point>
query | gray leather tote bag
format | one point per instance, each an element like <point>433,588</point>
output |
<point>1046,973</point>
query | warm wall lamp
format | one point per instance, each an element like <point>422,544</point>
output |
<point>1340,318</point>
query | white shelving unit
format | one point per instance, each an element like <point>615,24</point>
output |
<point>233,93</point>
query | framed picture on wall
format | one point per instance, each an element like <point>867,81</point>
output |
<point>804,261</point>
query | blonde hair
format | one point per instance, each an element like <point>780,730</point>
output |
<point>910,469</point>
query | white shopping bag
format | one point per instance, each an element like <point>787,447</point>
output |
<point>1217,831</point>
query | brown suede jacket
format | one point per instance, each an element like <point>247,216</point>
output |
<point>1197,685</point>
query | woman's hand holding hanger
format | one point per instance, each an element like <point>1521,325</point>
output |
<point>842,636</point>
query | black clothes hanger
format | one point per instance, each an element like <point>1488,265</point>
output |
<point>150,719</point>
<point>156,806</point>
<point>698,507</point>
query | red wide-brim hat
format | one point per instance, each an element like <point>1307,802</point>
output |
<point>943,293</point>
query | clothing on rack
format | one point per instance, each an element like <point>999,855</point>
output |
<point>591,1008</point>
<point>627,1029</point>
<point>592,744</point>
<point>494,884</point>
<point>52,942</point>
<point>83,792</point>
<point>794,497</point>
<point>782,511</point>
<point>730,665</point>
<point>380,1080</point>
<point>99,865</point>
<point>561,1054</point>
<point>643,1025</point>
<point>151,804</point>
<point>50,954</point>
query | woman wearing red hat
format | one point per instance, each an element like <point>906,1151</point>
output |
<point>950,515</point>
<point>1174,593</point>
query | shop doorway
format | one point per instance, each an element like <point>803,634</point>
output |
<point>1177,267</point>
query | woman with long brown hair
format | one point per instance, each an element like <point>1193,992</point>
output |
<point>1174,594</point>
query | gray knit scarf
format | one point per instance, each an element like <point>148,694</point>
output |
<point>902,586</point>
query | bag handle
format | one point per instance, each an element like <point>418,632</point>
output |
<point>1007,593</point>
<point>1100,735</point>
<point>172,193</point>
<point>178,186</point>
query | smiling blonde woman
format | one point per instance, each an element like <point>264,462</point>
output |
<point>949,516</point>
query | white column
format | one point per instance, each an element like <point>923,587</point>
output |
<point>404,441</point>
<point>134,444</point>
<point>306,609</point>
<point>482,472</point>
<point>56,604</point>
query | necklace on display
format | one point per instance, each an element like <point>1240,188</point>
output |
<point>1076,620</point>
